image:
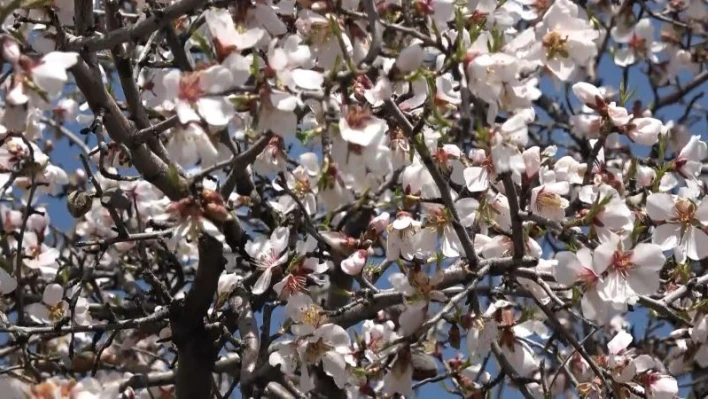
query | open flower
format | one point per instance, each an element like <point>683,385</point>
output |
<point>680,224</point>
<point>193,217</point>
<point>687,164</point>
<point>566,40</point>
<point>277,112</point>
<point>39,255</point>
<point>547,200</point>
<point>630,272</point>
<point>53,305</point>
<point>638,43</point>
<point>644,131</point>
<point>189,144</point>
<point>302,268</point>
<point>399,378</point>
<point>268,254</point>
<point>40,81</point>
<point>224,34</point>
<point>194,95</point>
<point>580,268</point>
<point>303,186</point>
<point>359,126</point>
<point>439,224</point>
<point>402,237</point>
<point>318,342</point>
<point>418,290</point>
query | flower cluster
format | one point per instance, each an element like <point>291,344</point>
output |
<point>318,198</point>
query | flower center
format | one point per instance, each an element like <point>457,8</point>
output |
<point>189,89</point>
<point>320,33</point>
<point>650,379</point>
<point>56,312</point>
<point>312,315</point>
<point>27,63</point>
<point>685,210</point>
<point>267,259</point>
<point>549,200</point>
<point>223,50</point>
<point>438,219</point>
<point>358,116</point>
<point>425,7</point>
<point>478,17</point>
<point>302,185</point>
<point>638,44</point>
<point>293,284</point>
<point>421,282</point>
<point>555,45</point>
<point>622,261</point>
<point>315,350</point>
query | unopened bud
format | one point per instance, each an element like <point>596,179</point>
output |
<point>10,50</point>
<point>79,203</point>
<point>80,176</point>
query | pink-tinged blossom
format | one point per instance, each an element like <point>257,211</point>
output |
<point>360,127</point>
<point>630,272</point>
<point>277,112</point>
<point>644,131</point>
<point>192,220</point>
<point>40,81</point>
<point>579,267</point>
<point>588,94</point>
<point>303,186</point>
<point>194,95</point>
<point>680,223</point>
<point>224,34</point>
<point>439,226</point>
<point>418,290</point>
<point>618,115</point>
<point>268,254</point>
<point>355,263</point>
<point>547,200</point>
<point>189,144</point>
<point>379,223</point>
<point>402,237</point>
<point>566,41</point>
<point>39,256</point>
<point>318,342</point>
<point>638,43</point>
<point>290,62</point>
<point>687,165</point>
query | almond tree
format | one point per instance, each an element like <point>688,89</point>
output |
<point>305,199</point>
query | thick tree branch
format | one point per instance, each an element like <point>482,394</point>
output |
<point>196,350</point>
<point>141,29</point>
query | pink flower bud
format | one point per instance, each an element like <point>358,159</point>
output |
<point>380,222</point>
<point>354,263</point>
<point>587,93</point>
<point>477,156</point>
<point>10,50</point>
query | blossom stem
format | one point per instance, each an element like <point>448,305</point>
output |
<point>517,228</point>
<point>443,187</point>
